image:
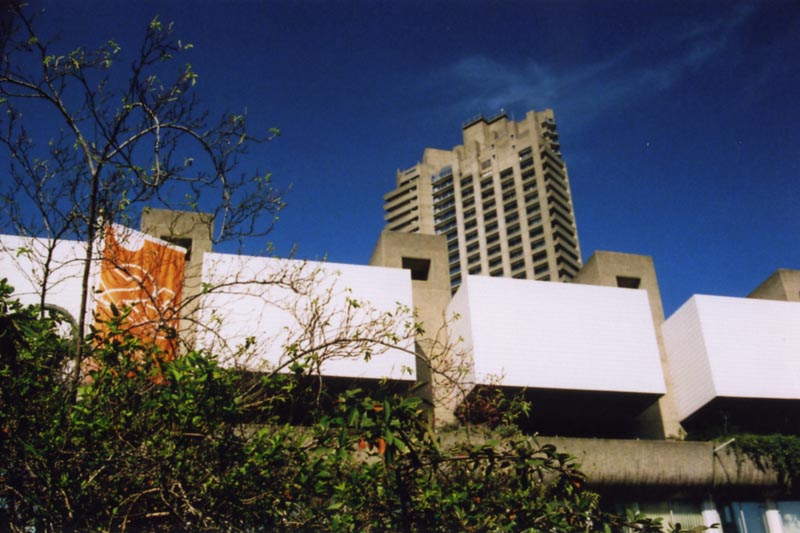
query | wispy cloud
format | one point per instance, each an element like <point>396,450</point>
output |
<point>487,83</point>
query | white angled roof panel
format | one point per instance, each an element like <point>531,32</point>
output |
<point>733,348</point>
<point>331,313</point>
<point>23,261</point>
<point>524,333</point>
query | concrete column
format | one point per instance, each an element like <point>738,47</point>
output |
<point>772,516</point>
<point>711,515</point>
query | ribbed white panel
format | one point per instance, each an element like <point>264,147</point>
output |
<point>22,261</point>
<point>733,347</point>
<point>280,303</point>
<point>527,333</point>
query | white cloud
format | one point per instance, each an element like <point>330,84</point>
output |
<point>488,84</point>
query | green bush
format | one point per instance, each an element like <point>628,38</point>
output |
<point>146,444</point>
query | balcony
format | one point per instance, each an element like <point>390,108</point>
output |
<point>398,197</point>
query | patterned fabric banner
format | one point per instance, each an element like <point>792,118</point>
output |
<point>144,274</point>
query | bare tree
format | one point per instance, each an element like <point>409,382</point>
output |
<point>115,139</point>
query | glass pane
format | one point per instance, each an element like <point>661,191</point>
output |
<point>749,517</point>
<point>790,512</point>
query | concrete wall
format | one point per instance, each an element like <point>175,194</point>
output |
<point>430,296</point>
<point>783,284</point>
<point>666,465</point>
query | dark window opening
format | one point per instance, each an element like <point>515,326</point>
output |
<point>419,267</point>
<point>628,283</point>
<point>183,242</point>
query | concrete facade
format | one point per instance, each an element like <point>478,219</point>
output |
<point>783,284</point>
<point>595,357</point>
<point>637,272</point>
<point>502,200</point>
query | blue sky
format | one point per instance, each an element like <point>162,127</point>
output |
<point>679,121</point>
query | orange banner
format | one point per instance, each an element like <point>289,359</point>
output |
<point>144,274</point>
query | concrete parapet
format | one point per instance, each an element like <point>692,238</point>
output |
<point>681,466</point>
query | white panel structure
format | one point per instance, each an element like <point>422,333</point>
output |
<point>23,260</point>
<point>719,346</point>
<point>263,312</point>
<point>524,333</point>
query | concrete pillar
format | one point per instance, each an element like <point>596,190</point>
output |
<point>772,516</point>
<point>426,257</point>
<point>711,515</point>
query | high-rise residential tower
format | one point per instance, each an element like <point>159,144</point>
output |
<point>502,199</point>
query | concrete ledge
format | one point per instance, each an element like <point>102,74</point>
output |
<point>663,464</point>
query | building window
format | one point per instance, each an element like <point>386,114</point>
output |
<point>473,258</point>
<point>444,173</point>
<point>472,236</point>
<point>466,180</point>
<point>535,232</point>
<point>506,173</point>
<point>445,227</point>
<point>491,215</point>
<point>467,191</point>
<point>539,256</point>
<point>475,270</point>
<point>452,246</point>
<point>514,241</point>
<point>538,244</point>
<point>496,261</point>
<point>491,239</point>
<point>509,184</point>
<point>183,242</point>
<point>511,230</point>
<point>493,250</point>
<point>517,266</point>
<point>490,227</point>
<point>419,267</point>
<point>472,247</point>
<point>628,283</point>
<point>541,269</point>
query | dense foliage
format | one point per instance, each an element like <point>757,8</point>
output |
<point>188,444</point>
<point>778,453</point>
